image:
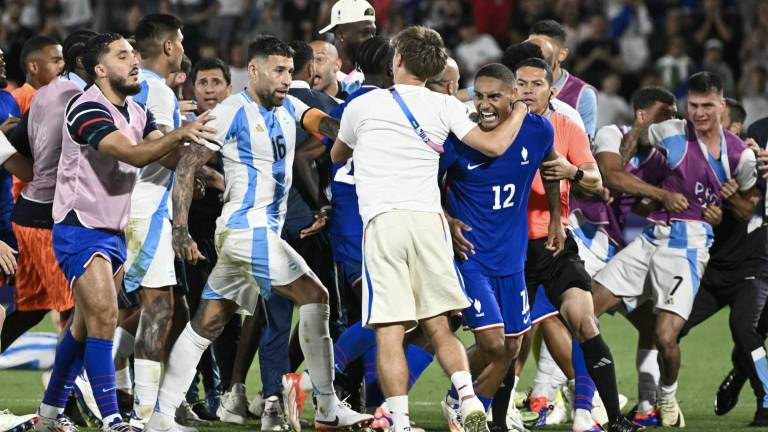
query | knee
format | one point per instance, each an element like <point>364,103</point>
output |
<point>102,322</point>
<point>316,293</point>
<point>585,327</point>
<point>665,341</point>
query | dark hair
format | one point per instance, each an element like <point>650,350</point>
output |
<point>32,45</point>
<point>205,64</point>
<point>538,64</point>
<point>645,97</point>
<point>73,48</point>
<point>550,28</point>
<point>374,57</point>
<point>498,71</point>
<point>516,53</point>
<point>738,113</point>
<point>268,45</point>
<point>705,82</point>
<point>302,55</point>
<point>153,30</point>
<point>95,48</point>
<point>422,50</point>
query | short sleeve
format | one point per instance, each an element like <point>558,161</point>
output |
<point>579,151</point>
<point>588,110</point>
<point>163,104</point>
<point>608,140</point>
<point>746,170</point>
<point>457,117</point>
<point>296,107</point>
<point>6,149</point>
<point>449,156</point>
<point>225,117</point>
<point>89,122</point>
<point>348,127</point>
<point>19,137</point>
<point>150,126</point>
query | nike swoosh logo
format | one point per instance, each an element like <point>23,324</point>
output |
<point>471,167</point>
<point>108,389</point>
<point>335,422</point>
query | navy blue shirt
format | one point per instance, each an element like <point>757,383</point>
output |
<point>490,195</point>
<point>8,108</point>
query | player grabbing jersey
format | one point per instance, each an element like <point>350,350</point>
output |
<point>488,197</point>
<point>256,136</point>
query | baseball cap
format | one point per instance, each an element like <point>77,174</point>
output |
<point>349,11</point>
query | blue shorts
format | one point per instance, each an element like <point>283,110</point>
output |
<point>75,247</point>
<point>542,307</point>
<point>497,301</point>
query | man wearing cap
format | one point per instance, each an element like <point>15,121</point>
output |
<point>352,23</point>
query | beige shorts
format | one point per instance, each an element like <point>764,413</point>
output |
<point>408,269</point>
<point>149,262</point>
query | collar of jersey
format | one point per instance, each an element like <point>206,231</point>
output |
<point>151,73</point>
<point>249,99</point>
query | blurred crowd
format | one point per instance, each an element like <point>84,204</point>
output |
<point>615,45</point>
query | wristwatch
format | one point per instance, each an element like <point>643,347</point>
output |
<point>578,176</point>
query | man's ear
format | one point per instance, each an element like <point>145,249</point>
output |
<point>564,52</point>
<point>32,67</point>
<point>168,47</point>
<point>640,115</point>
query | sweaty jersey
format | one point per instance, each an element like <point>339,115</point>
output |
<point>258,146</point>
<point>491,196</point>
<point>154,184</point>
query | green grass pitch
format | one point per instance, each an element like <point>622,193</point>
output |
<point>706,359</point>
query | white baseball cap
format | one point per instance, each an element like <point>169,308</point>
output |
<point>349,11</point>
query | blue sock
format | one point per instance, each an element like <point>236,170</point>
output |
<point>101,374</point>
<point>761,367</point>
<point>66,366</point>
<point>585,387</point>
<point>352,344</point>
<point>418,361</point>
<point>486,401</point>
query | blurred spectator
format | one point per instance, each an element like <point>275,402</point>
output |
<point>755,46</point>
<point>568,13</point>
<point>13,35</point>
<point>714,22</point>
<point>674,25</point>
<point>752,88</point>
<point>53,27</point>
<point>300,15</point>
<point>713,62</point>
<point>675,67</point>
<point>598,55</point>
<point>270,22</point>
<point>76,14</point>
<point>613,108</point>
<point>238,67</point>
<point>631,24</point>
<point>194,14</point>
<point>475,50</point>
<point>208,49</point>
<point>733,117</point>
<point>493,17</point>
<point>445,17</point>
<point>528,12</point>
<point>222,26</point>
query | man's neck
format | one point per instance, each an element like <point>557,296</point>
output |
<point>408,79</point>
<point>347,66</point>
<point>557,74</point>
<point>375,80</point>
<point>32,81</point>
<point>711,139</point>
<point>113,96</point>
<point>157,66</point>
<point>252,93</point>
<point>543,111</point>
<point>333,89</point>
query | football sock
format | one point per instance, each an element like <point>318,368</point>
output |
<point>147,382</point>
<point>182,367</point>
<point>544,381</point>
<point>352,344</point>
<point>123,343</point>
<point>101,374</point>
<point>123,379</point>
<point>398,409</point>
<point>500,403</point>
<point>599,362</point>
<point>67,364</point>
<point>669,391</point>
<point>585,387</point>
<point>317,346</point>
<point>761,366</point>
<point>648,376</point>
<point>462,380</point>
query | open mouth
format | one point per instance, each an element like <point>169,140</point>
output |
<point>488,116</point>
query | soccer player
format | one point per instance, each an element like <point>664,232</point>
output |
<point>409,277</point>
<point>256,135</point>
<point>488,197</point>
<point>736,276</point>
<point>352,23</point>
<point>327,64</point>
<point>707,166</point>
<point>563,277</point>
<point>105,138</point>
<point>570,89</point>
<point>149,269</point>
<point>42,60</point>
<point>40,284</point>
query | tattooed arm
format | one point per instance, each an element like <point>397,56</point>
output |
<point>192,158</point>
<point>317,122</point>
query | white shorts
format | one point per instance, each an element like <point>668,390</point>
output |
<point>252,261</point>
<point>644,270</point>
<point>408,269</point>
<point>595,246</point>
<point>150,254</point>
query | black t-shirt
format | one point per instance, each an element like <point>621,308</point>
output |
<point>737,253</point>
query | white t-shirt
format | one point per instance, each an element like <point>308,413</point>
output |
<point>6,149</point>
<point>394,168</point>
<point>608,139</point>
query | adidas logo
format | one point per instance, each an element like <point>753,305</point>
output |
<point>603,362</point>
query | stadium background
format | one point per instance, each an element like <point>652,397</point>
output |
<point>616,45</point>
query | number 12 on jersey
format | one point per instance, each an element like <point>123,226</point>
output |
<point>498,191</point>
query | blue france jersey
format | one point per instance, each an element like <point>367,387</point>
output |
<point>346,223</point>
<point>490,195</point>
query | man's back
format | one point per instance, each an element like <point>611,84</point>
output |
<point>394,168</point>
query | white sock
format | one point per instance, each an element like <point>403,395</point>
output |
<point>398,409</point>
<point>543,382</point>
<point>123,379</point>
<point>306,382</point>
<point>669,392</point>
<point>49,411</point>
<point>147,381</point>
<point>462,382</point>
<point>182,367</point>
<point>648,376</point>
<point>123,343</point>
<point>317,346</point>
